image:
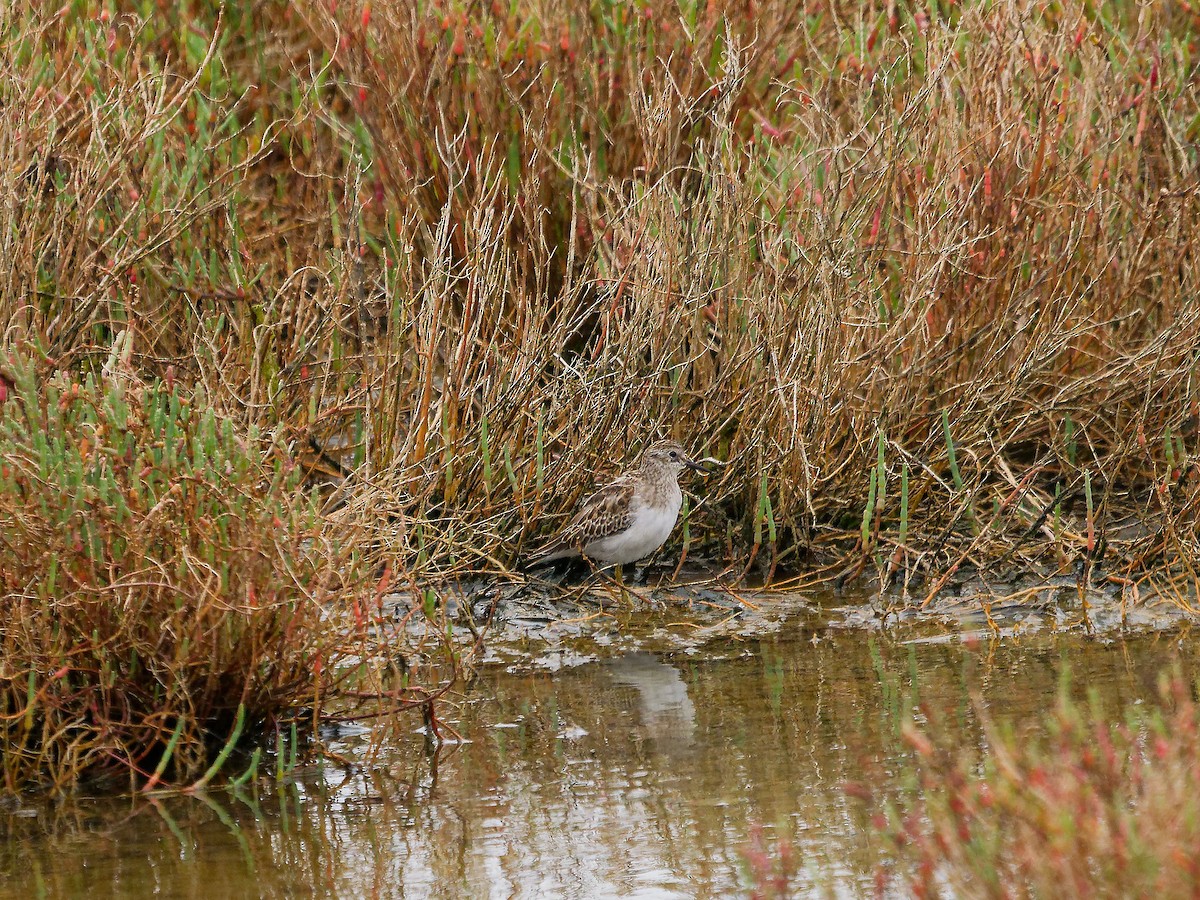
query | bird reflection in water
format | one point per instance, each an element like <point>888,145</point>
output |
<point>667,714</point>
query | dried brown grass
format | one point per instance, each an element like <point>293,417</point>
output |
<point>959,256</point>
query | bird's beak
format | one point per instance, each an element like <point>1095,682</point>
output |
<point>704,465</point>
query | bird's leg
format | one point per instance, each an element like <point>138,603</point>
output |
<point>617,580</point>
<point>598,575</point>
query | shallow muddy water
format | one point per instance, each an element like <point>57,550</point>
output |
<point>643,774</point>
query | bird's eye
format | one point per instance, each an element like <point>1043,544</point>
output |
<point>674,455</point>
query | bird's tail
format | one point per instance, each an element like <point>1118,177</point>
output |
<point>547,554</point>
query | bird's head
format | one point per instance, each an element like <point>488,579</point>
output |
<point>671,455</point>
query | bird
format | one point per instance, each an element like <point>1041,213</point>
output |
<point>630,517</point>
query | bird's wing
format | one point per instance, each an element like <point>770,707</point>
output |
<point>606,512</point>
<point>603,514</point>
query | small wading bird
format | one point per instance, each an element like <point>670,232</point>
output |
<point>630,517</point>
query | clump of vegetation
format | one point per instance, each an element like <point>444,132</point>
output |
<point>1088,807</point>
<point>164,581</point>
<point>769,867</point>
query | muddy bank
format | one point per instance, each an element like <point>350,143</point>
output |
<point>546,625</point>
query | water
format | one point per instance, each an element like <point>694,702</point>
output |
<point>645,775</point>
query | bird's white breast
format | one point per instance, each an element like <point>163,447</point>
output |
<point>650,527</point>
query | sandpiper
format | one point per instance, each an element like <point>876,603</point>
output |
<point>630,517</point>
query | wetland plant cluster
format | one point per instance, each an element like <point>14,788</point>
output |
<point>1087,807</point>
<point>163,580</point>
<point>924,273</point>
